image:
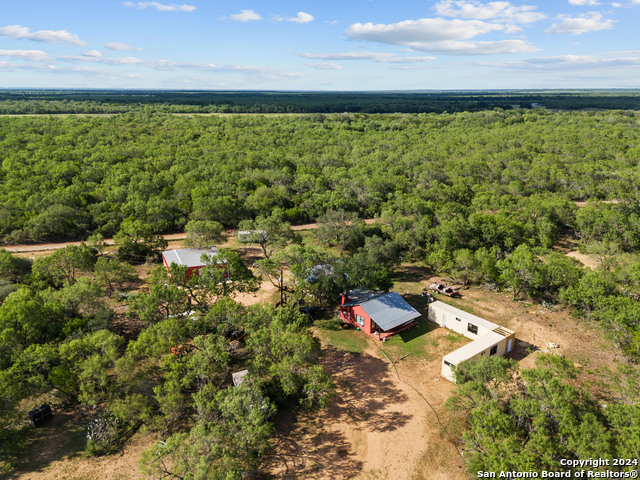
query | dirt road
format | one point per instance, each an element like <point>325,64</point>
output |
<point>45,247</point>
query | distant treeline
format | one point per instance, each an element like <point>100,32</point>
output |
<point>118,101</point>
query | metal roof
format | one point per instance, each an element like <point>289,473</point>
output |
<point>359,296</point>
<point>472,349</point>
<point>389,310</point>
<point>238,377</point>
<point>477,321</point>
<point>189,257</point>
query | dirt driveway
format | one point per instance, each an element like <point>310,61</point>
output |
<point>383,423</point>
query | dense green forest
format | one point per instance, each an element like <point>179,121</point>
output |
<point>66,178</point>
<point>483,197</point>
<point>118,101</point>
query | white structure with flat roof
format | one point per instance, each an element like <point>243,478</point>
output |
<point>488,338</point>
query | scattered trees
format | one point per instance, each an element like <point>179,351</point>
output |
<point>527,422</point>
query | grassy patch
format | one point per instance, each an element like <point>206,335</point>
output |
<point>461,303</point>
<point>416,341</point>
<point>408,277</point>
<point>349,339</point>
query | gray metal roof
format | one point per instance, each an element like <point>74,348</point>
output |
<point>238,377</point>
<point>389,310</point>
<point>189,257</point>
<point>359,296</point>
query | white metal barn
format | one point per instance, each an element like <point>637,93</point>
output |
<point>489,338</point>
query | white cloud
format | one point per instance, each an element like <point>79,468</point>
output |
<point>501,11</point>
<point>121,47</point>
<point>421,32</point>
<point>616,5</point>
<point>92,54</point>
<point>378,57</point>
<point>301,17</point>
<point>170,65</point>
<point>56,69</point>
<point>325,66</point>
<point>48,36</point>
<point>97,57</point>
<point>584,2</point>
<point>250,70</point>
<point>246,16</point>
<point>161,7</point>
<point>34,55</point>
<point>439,35</point>
<point>588,22</point>
<point>453,47</point>
<point>410,59</point>
<point>575,62</point>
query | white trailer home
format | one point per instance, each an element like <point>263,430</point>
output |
<point>488,338</point>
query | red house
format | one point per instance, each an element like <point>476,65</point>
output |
<point>190,258</point>
<point>378,314</point>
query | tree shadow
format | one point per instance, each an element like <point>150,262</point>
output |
<point>63,437</point>
<point>304,449</point>
<point>521,350</point>
<point>366,390</point>
<point>423,326</point>
<point>128,328</point>
<point>409,273</point>
<point>367,400</point>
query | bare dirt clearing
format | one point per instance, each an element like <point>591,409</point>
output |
<point>586,260</point>
<point>54,464</point>
<point>377,426</point>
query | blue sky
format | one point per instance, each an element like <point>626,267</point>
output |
<point>312,45</point>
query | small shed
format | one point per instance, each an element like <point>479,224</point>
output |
<point>238,377</point>
<point>190,258</point>
<point>252,236</point>
<point>378,314</point>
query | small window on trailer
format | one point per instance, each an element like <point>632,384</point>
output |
<point>493,350</point>
<point>449,364</point>
<point>472,328</point>
<point>458,319</point>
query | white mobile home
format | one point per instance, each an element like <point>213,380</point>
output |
<point>488,338</point>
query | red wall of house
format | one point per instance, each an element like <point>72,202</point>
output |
<point>190,270</point>
<point>356,310</point>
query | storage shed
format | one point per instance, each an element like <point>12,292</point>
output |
<point>238,378</point>
<point>378,314</point>
<point>488,338</point>
<point>190,258</point>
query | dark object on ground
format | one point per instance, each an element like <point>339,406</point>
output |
<point>428,296</point>
<point>444,289</point>
<point>40,415</point>
<point>309,310</point>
